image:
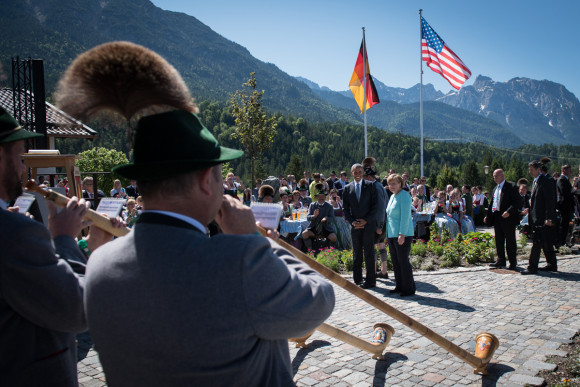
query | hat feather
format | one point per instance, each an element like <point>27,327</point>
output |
<point>124,78</point>
<point>266,190</point>
<point>369,162</point>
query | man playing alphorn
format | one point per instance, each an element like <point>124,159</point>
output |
<point>169,306</point>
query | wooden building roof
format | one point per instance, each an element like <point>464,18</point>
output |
<point>58,123</point>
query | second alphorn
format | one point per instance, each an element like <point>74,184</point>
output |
<point>486,343</point>
<point>381,337</point>
<point>60,200</point>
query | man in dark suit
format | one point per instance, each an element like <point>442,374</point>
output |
<point>524,198</point>
<point>331,180</point>
<point>541,218</point>
<point>565,202</point>
<point>341,183</point>
<point>360,210</point>
<point>503,215</point>
<point>131,189</point>
<point>88,192</point>
<point>576,193</point>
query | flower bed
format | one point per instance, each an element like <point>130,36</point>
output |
<point>439,252</point>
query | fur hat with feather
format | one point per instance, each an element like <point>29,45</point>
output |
<point>124,78</point>
<point>135,83</point>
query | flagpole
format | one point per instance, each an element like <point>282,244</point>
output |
<point>421,87</point>
<point>364,88</point>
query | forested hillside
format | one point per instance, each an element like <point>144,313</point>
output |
<point>336,146</point>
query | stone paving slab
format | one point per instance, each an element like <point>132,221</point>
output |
<point>531,316</point>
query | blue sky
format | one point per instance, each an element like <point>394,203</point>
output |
<point>319,39</point>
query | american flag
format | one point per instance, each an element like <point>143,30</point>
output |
<point>440,58</point>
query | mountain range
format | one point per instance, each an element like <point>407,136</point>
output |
<point>506,114</point>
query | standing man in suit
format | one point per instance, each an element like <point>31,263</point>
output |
<point>503,214</point>
<point>541,218</point>
<point>341,183</point>
<point>41,279</point>
<point>360,210</point>
<point>132,189</point>
<point>565,202</point>
<point>382,199</point>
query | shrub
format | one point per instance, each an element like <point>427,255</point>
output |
<point>330,258</point>
<point>473,253</point>
<point>428,266</point>
<point>488,254</point>
<point>437,250</point>
<point>419,249</point>
<point>523,241</point>
<point>347,260</point>
<point>416,262</point>
<point>450,257</point>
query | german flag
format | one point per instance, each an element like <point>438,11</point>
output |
<point>357,86</point>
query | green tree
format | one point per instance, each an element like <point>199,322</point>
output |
<point>471,174</point>
<point>447,176</point>
<point>226,169</point>
<point>102,160</point>
<point>294,167</point>
<point>260,170</point>
<point>253,128</point>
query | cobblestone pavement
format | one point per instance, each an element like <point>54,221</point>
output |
<point>531,316</point>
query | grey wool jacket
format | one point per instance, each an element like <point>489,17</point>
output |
<point>169,306</point>
<point>41,304</point>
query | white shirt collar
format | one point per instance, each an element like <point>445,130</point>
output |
<point>185,218</point>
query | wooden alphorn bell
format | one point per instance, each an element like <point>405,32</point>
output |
<point>381,337</point>
<point>486,343</point>
<point>98,220</point>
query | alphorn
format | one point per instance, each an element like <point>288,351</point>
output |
<point>381,337</point>
<point>486,343</point>
<point>60,200</point>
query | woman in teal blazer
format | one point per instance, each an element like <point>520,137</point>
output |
<point>400,234</point>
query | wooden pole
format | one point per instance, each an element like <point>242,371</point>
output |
<point>415,325</point>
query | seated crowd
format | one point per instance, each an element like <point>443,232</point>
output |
<point>457,210</point>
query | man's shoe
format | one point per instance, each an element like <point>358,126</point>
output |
<point>395,290</point>
<point>381,275</point>
<point>407,294</point>
<point>497,265</point>
<point>527,272</point>
<point>367,286</point>
<point>513,268</point>
<point>548,268</point>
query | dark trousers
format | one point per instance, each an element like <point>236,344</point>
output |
<point>564,227</point>
<point>542,241</point>
<point>402,268</point>
<point>505,234</point>
<point>363,244</point>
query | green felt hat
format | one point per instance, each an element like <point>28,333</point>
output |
<point>10,129</point>
<point>172,143</point>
